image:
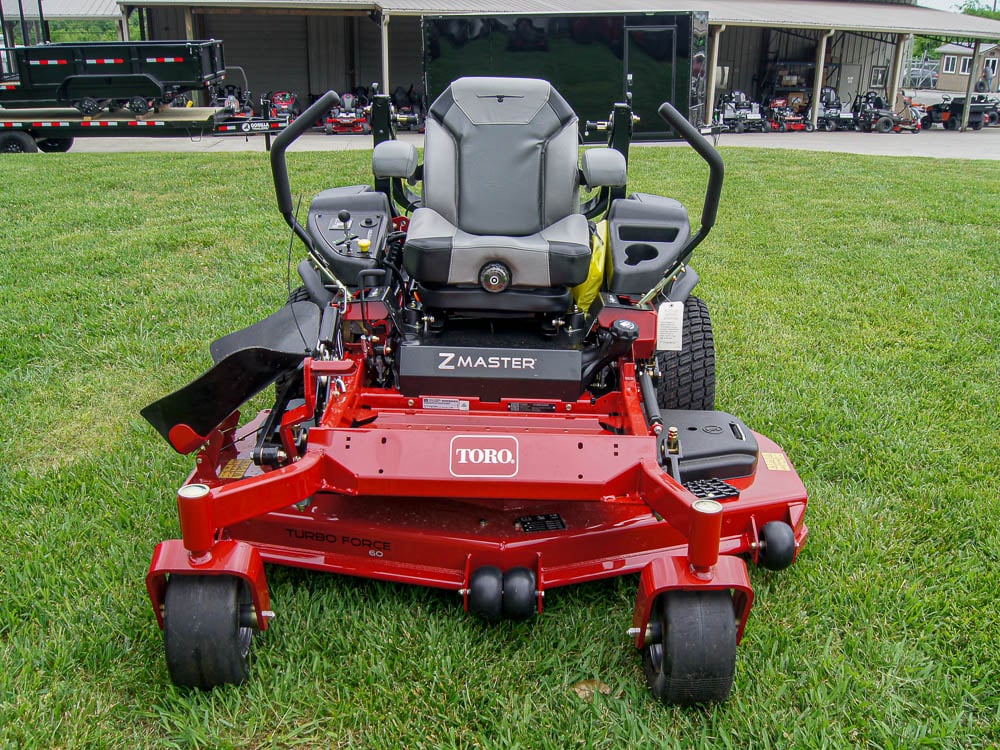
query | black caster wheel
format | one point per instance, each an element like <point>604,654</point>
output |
<point>519,594</point>
<point>486,592</point>
<point>207,630</point>
<point>691,657</point>
<point>777,545</point>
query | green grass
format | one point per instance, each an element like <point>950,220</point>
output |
<point>856,303</point>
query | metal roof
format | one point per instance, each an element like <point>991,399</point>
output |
<point>842,15</point>
<point>62,9</point>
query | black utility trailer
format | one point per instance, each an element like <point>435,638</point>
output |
<point>53,130</point>
<point>92,76</point>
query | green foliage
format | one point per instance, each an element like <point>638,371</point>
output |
<point>980,8</point>
<point>856,304</point>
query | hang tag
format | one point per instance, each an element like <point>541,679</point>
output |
<point>670,327</point>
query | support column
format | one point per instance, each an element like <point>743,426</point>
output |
<point>123,25</point>
<point>971,87</point>
<point>818,75</point>
<point>896,74</point>
<point>385,52</point>
<point>188,23</point>
<point>713,70</point>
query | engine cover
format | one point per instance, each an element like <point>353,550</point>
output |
<point>489,373</point>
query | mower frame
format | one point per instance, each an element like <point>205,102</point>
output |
<point>499,500</point>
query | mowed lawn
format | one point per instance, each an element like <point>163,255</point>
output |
<point>856,305</point>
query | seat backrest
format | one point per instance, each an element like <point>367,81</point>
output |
<point>500,156</point>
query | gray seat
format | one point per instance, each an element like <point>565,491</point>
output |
<point>500,186</point>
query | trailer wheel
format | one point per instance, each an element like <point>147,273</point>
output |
<point>206,632</point>
<point>687,377</point>
<point>55,145</point>
<point>691,657</point>
<point>88,106</point>
<point>137,105</point>
<point>828,126</point>
<point>16,142</point>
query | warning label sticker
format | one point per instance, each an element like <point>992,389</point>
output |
<point>670,327</point>
<point>235,469</point>
<point>775,461</point>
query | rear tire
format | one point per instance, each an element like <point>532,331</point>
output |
<point>205,642</point>
<point>17,142</point>
<point>693,657</point>
<point>687,377</point>
<point>884,125</point>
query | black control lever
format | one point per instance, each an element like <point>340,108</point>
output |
<point>716,172</point>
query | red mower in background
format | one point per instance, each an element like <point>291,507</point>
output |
<point>349,117</point>
<point>285,104</point>
<point>782,117</point>
<point>488,396</point>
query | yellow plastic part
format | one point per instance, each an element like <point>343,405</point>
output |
<point>586,293</point>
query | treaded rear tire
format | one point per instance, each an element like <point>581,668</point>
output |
<point>687,377</point>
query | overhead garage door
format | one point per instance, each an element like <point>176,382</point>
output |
<point>271,49</point>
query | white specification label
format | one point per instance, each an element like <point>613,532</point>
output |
<point>670,327</point>
<point>454,404</point>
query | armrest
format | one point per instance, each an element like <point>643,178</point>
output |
<point>603,167</point>
<point>394,159</point>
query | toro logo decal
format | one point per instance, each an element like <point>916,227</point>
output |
<point>483,456</point>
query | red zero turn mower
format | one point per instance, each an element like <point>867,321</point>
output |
<point>505,393</point>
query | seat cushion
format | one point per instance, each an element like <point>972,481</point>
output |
<point>438,252</point>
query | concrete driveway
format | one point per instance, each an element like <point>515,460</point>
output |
<point>938,143</point>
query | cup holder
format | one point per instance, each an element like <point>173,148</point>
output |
<point>639,252</point>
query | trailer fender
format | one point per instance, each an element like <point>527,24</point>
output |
<point>674,572</point>
<point>113,86</point>
<point>227,557</point>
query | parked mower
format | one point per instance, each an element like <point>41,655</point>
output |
<point>781,117</point>
<point>286,104</point>
<point>350,116</point>
<point>504,393</point>
<point>830,114</point>
<point>738,114</point>
<point>873,114</point>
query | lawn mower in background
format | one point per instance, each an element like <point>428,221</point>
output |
<point>782,117</point>
<point>234,97</point>
<point>831,114</point>
<point>286,104</point>
<point>873,114</point>
<point>738,113</point>
<point>350,116</point>
<point>409,108</point>
<point>506,392</point>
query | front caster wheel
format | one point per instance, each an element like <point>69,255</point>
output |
<point>206,630</point>
<point>777,545</point>
<point>692,655</point>
<point>519,595</point>
<point>486,592</point>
